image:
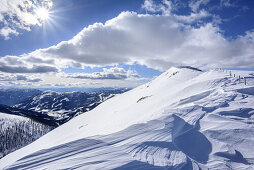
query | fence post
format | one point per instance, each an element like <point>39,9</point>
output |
<point>230,73</point>
<point>234,75</point>
<point>245,80</point>
<point>239,79</point>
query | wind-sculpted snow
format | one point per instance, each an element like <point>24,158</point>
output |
<point>136,143</point>
<point>191,120</point>
<point>248,91</point>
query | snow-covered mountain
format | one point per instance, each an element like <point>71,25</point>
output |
<point>36,116</point>
<point>63,106</point>
<point>183,119</point>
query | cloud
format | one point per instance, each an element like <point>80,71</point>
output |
<point>195,4</point>
<point>34,69</point>
<point>14,78</point>
<point>110,77</point>
<point>15,64</point>
<point>27,79</point>
<point>227,3</point>
<point>164,7</point>
<point>113,73</point>
<point>6,31</point>
<point>156,41</point>
<point>193,17</point>
<point>20,14</point>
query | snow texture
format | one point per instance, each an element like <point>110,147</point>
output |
<point>183,119</point>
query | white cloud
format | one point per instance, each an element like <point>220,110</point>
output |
<point>20,14</point>
<point>6,31</point>
<point>110,77</point>
<point>15,64</point>
<point>33,69</point>
<point>113,73</point>
<point>195,4</point>
<point>164,7</point>
<point>193,17</point>
<point>227,3</point>
<point>13,78</point>
<point>156,41</point>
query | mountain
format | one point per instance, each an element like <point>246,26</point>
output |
<point>183,119</point>
<point>13,96</point>
<point>62,106</point>
<point>36,116</point>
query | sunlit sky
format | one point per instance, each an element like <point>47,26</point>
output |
<point>119,43</point>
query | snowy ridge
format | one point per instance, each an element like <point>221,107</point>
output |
<point>183,119</point>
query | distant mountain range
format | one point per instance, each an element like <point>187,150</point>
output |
<point>13,96</point>
<point>50,107</point>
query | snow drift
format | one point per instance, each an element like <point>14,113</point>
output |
<point>183,119</point>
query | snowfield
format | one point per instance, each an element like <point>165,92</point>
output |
<point>183,119</point>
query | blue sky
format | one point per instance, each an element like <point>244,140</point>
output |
<point>101,43</point>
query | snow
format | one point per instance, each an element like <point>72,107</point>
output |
<point>5,116</point>
<point>183,119</point>
<point>8,119</point>
<point>17,131</point>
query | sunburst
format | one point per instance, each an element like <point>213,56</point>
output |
<point>42,13</point>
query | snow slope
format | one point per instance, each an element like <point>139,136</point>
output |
<point>183,119</point>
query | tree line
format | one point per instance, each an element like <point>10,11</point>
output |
<point>15,134</point>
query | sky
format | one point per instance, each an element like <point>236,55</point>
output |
<point>119,43</point>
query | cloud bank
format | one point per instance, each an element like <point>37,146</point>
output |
<point>157,41</point>
<point>114,73</point>
<point>15,78</point>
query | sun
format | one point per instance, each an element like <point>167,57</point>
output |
<point>42,13</point>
